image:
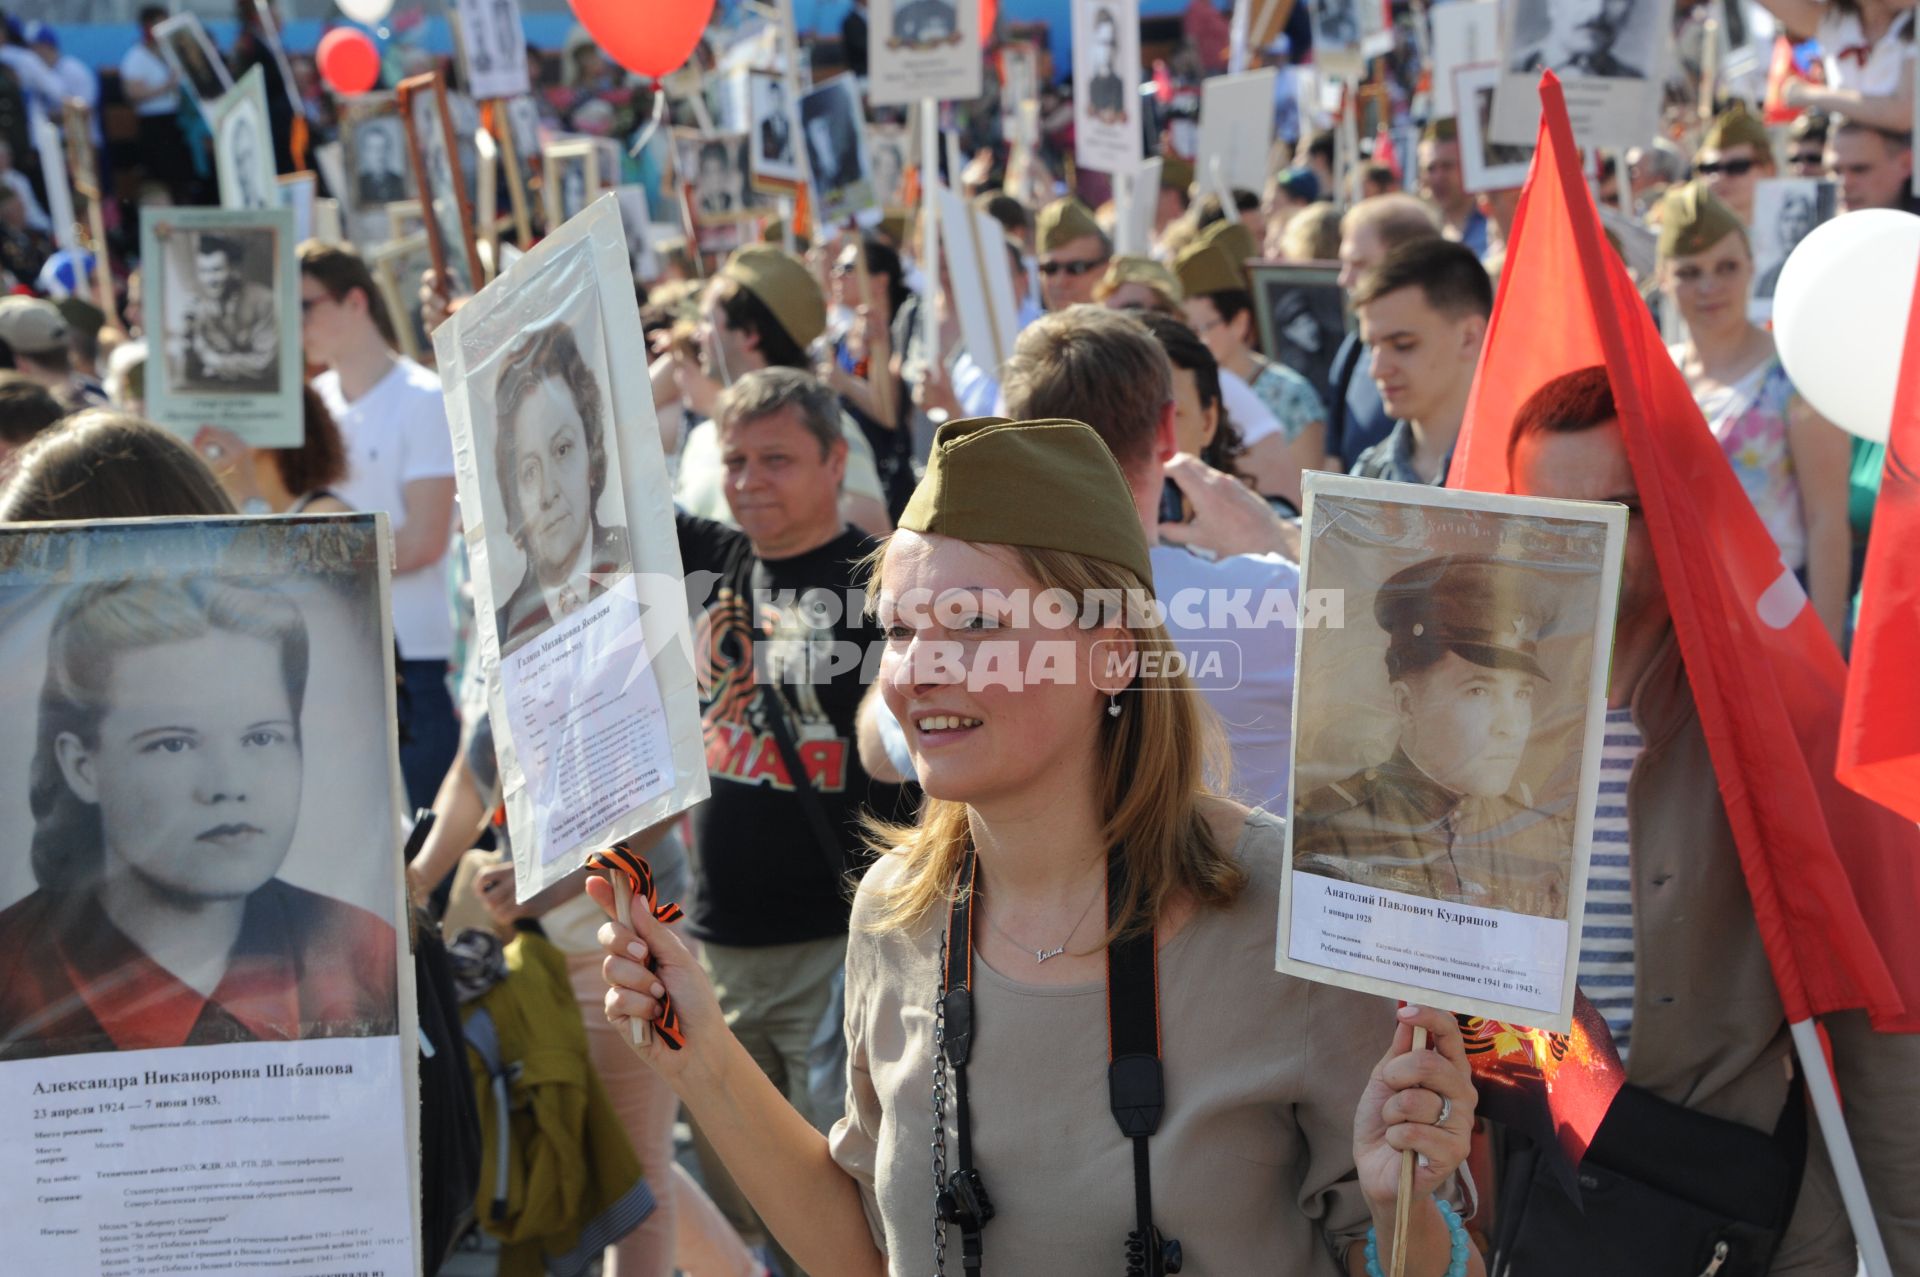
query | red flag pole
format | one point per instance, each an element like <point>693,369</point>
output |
<point>1846,1166</point>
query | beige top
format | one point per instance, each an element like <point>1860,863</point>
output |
<point>1253,1162</point>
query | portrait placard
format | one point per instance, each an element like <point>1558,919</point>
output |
<point>1301,313</point>
<point>720,199</point>
<point>980,267</point>
<point>190,52</point>
<point>1785,211</point>
<point>493,45</point>
<point>1346,33</point>
<point>920,49</point>
<point>373,142</point>
<point>434,152</point>
<point>1106,86</point>
<point>836,138</point>
<point>1236,130</point>
<point>222,301</point>
<point>1447,745</point>
<point>571,177</point>
<point>1610,55</point>
<point>297,192</point>
<point>243,145</point>
<point>1485,165</point>
<point>576,567</point>
<point>1465,33</point>
<point>204,911</point>
<point>890,155</point>
<point>773,131</point>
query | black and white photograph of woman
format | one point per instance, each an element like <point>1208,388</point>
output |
<point>168,770</point>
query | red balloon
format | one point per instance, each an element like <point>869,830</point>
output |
<point>348,61</point>
<point>989,14</point>
<point>653,38</point>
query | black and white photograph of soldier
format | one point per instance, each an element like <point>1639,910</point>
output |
<point>1785,211</point>
<point>222,322</point>
<point>1443,814</point>
<point>1587,39</point>
<point>551,461</point>
<point>1106,88</point>
<point>716,186</point>
<point>772,129</point>
<point>924,23</point>
<point>377,152</point>
<point>828,119</point>
<point>182,767</point>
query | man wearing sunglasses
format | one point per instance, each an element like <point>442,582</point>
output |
<point>1807,146</point>
<point>1734,155</point>
<point>1073,253</point>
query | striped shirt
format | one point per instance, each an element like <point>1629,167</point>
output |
<point>1606,934</point>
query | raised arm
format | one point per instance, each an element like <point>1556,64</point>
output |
<point>780,1161</point>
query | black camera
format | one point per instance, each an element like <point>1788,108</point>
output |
<point>964,1202</point>
<point>1158,1257</point>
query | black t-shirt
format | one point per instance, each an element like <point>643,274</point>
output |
<point>760,875</point>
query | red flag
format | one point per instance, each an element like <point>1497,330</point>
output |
<point>1880,732</point>
<point>1553,1087</point>
<point>1834,878</point>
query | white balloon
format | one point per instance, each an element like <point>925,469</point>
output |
<point>366,12</point>
<point>1840,316</point>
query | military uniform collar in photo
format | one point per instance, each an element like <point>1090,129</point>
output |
<point>784,286</point>
<point>1048,485</point>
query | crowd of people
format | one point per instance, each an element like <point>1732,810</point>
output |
<point>828,430</point>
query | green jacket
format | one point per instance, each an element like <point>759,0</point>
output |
<point>559,1181</point>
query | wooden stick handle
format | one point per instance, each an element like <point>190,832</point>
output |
<point>1403,1202</point>
<point>641,1031</point>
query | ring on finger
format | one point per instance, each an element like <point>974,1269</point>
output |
<point>1446,1110</point>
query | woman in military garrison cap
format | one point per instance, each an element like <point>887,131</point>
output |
<point>1057,781</point>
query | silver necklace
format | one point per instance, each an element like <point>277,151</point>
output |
<point>1041,955</point>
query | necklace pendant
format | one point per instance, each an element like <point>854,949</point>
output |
<point>1041,955</point>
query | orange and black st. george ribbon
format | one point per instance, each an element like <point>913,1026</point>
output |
<point>624,860</point>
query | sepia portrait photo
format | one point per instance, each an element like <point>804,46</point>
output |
<point>202,795</point>
<point>223,317</point>
<point>1446,734</point>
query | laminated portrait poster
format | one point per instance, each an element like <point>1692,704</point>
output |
<point>921,49</point>
<point>222,302</point>
<point>568,516</point>
<point>208,1044</point>
<point>494,44</point>
<point>196,63</point>
<point>1610,56</point>
<point>1465,33</point>
<point>243,145</point>
<point>835,132</point>
<point>1106,86</point>
<point>1446,745</point>
<point>1236,131</point>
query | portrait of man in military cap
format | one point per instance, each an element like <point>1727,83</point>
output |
<point>1444,815</point>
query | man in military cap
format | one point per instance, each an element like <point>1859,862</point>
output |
<point>1580,40</point>
<point>1442,817</point>
<point>1073,253</point>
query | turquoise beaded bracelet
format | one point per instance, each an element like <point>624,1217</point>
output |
<point>1456,1244</point>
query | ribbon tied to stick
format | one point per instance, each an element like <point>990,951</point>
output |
<point>632,879</point>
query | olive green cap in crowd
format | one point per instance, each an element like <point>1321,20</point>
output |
<point>1129,269</point>
<point>1692,220</point>
<point>1047,485</point>
<point>775,232</point>
<point>1214,263</point>
<point>1737,125</point>
<point>896,224</point>
<point>1176,174</point>
<point>1063,221</point>
<point>784,286</point>
<point>1445,129</point>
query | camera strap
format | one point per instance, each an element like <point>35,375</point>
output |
<point>1135,1084</point>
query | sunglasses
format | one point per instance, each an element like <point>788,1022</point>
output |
<point>1075,269</point>
<point>1732,168</point>
<point>1808,159</point>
